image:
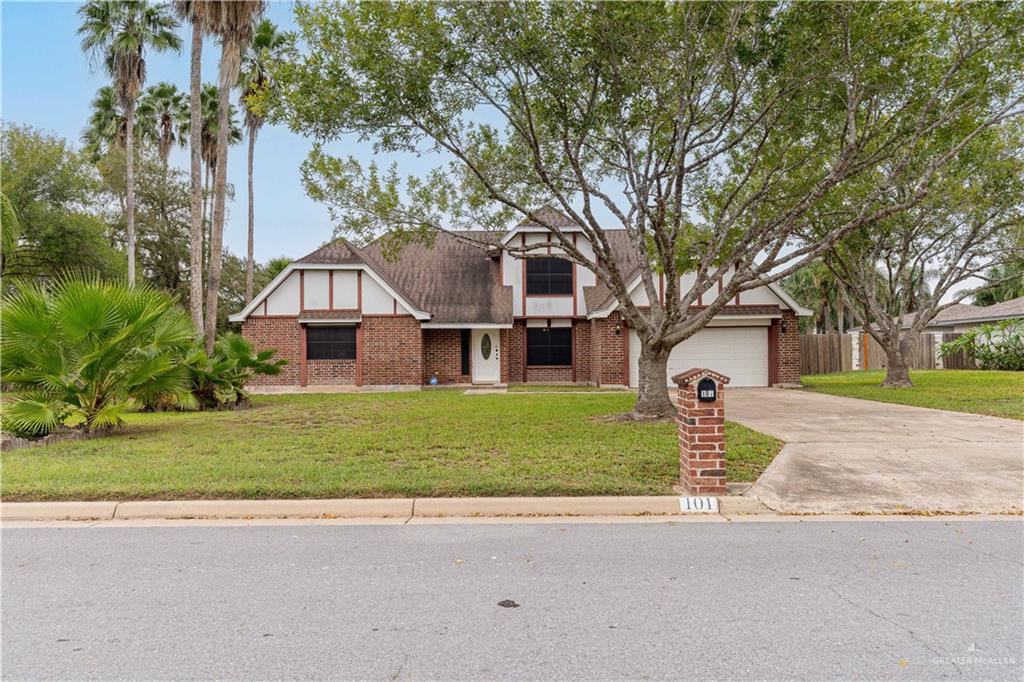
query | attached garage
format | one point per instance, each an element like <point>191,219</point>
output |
<point>740,353</point>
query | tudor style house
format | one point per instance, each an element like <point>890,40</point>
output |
<point>459,313</point>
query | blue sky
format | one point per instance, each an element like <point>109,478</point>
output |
<point>47,82</point>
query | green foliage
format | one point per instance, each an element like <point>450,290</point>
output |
<point>1009,285</point>
<point>116,34</point>
<point>998,346</point>
<point>58,199</point>
<point>80,349</point>
<point>268,48</point>
<point>220,380</point>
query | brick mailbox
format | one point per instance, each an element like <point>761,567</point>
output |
<point>701,431</point>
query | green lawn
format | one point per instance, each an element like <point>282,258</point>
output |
<point>1000,394</point>
<point>430,443</point>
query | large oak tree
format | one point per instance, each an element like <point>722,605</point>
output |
<point>710,132</point>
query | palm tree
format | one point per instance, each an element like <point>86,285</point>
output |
<point>268,47</point>
<point>82,348</point>
<point>199,14</point>
<point>107,127</point>
<point>10,231</point>
<point>116,33</point>
<point>233,23</point>
<point>210,118</point>
<point>167,115</point>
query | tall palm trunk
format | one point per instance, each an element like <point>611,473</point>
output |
<point>249,264</point>
<point>229,63</point>
<point>195,292</point>
<point>129,161</point>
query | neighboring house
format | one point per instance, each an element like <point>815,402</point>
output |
<point>462,313</point>
<point>962,317</point>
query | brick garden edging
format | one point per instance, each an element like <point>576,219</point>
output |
<point>11,442</point>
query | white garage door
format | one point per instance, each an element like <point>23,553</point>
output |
<point>740,353</point>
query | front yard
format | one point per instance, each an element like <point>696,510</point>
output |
<point>430,443</point>
<point>1000,394</point>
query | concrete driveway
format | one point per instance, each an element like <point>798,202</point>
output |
<point>849,455</point>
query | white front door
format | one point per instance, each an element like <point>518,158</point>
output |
<point>486,358</point>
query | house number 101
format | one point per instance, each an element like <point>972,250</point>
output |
<point>699,505</point>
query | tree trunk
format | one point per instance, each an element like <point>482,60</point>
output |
<point>197,200</point>
<point>652,401</point>
<point>897,371</point>
<point>129,165</point>
<point>228,75</point>
<point>249,264</point>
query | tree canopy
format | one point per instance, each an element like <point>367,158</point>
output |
<point>710,132</point>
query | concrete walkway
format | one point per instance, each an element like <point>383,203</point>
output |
<point>844,455</point>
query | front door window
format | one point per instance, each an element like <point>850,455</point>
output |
<point>485,346</point>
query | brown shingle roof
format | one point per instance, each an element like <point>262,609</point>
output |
<point>997,311</point>
<point>457,281</point>
<point>550,215</point>
<point>338,252</point>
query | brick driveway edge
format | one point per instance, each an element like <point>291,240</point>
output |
<point>429,507</point>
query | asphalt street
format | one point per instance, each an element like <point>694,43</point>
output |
<point>822,599</point>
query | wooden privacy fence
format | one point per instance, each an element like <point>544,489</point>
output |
<point>921,357</point>
<point>825,353</point>
<point>958,360</point>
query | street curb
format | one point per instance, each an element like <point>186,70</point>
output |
<point>407,508</point>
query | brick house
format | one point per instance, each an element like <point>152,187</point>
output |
<point>460,313</point>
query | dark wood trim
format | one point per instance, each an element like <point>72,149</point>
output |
<point>265,307</point>
<point>572,337</point>
<point>302,356</point>
<point>572,296</point>
<point>330,289</point>
<point>359,290</point>
<point>302,290</point>
<point>625,352</point>
<point>773,353</point>
<point>522,271</point>
<point>575,286</point>
<point>359,355</point>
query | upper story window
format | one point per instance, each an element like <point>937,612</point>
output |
<point>330,343</point>
<point>548,276</point>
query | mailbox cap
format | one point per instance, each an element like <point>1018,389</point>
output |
<point>697,373</point>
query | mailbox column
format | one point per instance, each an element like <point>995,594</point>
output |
<point>701,431</point>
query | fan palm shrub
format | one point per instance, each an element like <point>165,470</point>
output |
<point>79,350</point>
<point>220,380</point>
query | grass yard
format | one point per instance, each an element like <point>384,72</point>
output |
<point>1000,394</point>
<point>430,443</point>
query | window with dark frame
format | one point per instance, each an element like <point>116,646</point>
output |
<point>330,343</point>
<point>549,346</point>
<point>465,348</point>
<point>548,276</point>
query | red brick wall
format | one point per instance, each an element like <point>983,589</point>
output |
<point>392,350</point>
<point>789,349</point>
<point>282,333</point>
<point>442,356</point>
<point>330,372</point>
<point>582,341</point>
<point>505,335</point>
<point>606,349</point>
<point>516,346</point>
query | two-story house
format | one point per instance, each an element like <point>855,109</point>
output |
<point>459,313</point>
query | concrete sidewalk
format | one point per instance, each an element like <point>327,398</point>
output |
<point>395,508</point>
